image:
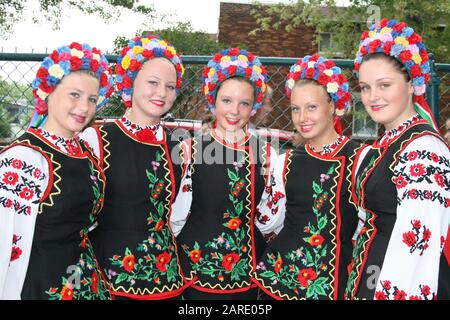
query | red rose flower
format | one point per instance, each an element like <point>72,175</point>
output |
<point>75,63</point>
<point>159,225</point>
<point>248,72</point>
<point>414,38</point>
<point>162,261</point>
<point>232,70</point>
<point>67,293</point>
<point>323,79</point>
<point>310,73</point>
<point>26,193</point>
<point>10,178</point>
<point>230,260</point>
<point>234,51</point>
<point>168,54</point>
<point>94,65</point>
<point>221,76</point>
<point>195,255</point>
<point>329,64</point>
<point>16,252</point>
<point>76,45</point>
<point>42,73</point>
<point>415,71</point>
<point>217,57</point>
<point>417,170</point>
<point>400,182</point>
<point>128,263</point>
<point>146,135</point>
<point>374,45</point>
<point>409,238</point>
<point>148,54</point>
<point>134,65</point>
<point>210,99</point>
<point>306,275</point>
<point>234,223</point>
<point>316,240</point>
<point>94,284</point>
<point>405,55</point>
<point>126,82</point>
<point>278,265</point>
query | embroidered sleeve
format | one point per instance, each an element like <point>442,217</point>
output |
<point>90,138</point>
<point>271,209</point>
<point>182,204</point>
<point>24,178</point>
<point>411,265</point>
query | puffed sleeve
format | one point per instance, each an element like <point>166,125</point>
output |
<point>182,204</point>
<point>24,176</point>
<point>271,209</point>
<point>411,265</point>
<point>91,138</point>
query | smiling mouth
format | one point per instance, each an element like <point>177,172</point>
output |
<point>158,103</point>
<point>232,122</point>
<point>79,119</point>
<point>377,107</point>
<point>306,129</point>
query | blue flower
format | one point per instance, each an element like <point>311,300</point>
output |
<point>65,65</point>
<point>36,82</point>
<point>425,67</point>
<point>396,49</point>
<point>391,23</point>
<point>51,80</point>
<point>158,52</point>
<point>406,32</point>
<point>47,62</point>
<point>418,81</point>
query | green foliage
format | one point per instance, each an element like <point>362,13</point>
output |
<point>13,94</point>
<point>51,11</point>
<point>431,19</point>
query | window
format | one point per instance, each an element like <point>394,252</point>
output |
<point>363,126</point>
<point>326,44</point>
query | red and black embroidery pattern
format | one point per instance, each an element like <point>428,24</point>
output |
<point>390,292</point>
<point>23,181</point>
<point>418,238</point>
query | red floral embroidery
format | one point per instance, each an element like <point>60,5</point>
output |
<point>146,135</point>
<point>316,240</point>
<point>26,193</point>
<point>15,253</point>
<point>10,178</point>
<point>94,285</point>
<point>17,164</point>
<point>400,182</point>
<point>306,275</point>
<point>413,155</point>
<point>67,293</point>
<point>230,260</point>
<point>162,261</point>
<point>234,223</point>
<point>439,180</point>
<point>195,255</point>
<point>413,240</point>
<point>278,265</point>
<point>128,263</point>
<point>37,173</point>
<point>417,170</point>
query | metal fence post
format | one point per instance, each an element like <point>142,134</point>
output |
<point>433,89</point>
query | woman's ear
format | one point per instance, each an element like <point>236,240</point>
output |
<point>411,88</point>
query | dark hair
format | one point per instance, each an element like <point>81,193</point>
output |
<point>304,82</point>
<point>393,61</point>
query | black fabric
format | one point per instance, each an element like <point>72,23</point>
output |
<point>60,239</point>
<point>133,232</point>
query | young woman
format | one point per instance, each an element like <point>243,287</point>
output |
<point>45,251</point>
<point>224,178</point>
<point>135,244</point>
<point>402,181</point>
<point>309,196</point>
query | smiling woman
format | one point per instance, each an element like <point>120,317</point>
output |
<point>44,230</point>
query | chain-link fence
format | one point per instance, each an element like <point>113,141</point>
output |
<point>17,71</point>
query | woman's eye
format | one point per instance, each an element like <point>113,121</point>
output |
<point>75,94</point>
<point>312,107</point>
<point>171,87</point>
<point>225,100</point>
<point>153,83</point>
<point>294,109</point>
<point>364,88</point>
<point>385,85</point>
<point>93,100</point>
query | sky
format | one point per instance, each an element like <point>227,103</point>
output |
<point>40,38</point>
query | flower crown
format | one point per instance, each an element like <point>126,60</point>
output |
<point>397,40</point>
<point>327,74</point>
<point>133,56</point>
<point>230,63</point>
<point>62,62</point>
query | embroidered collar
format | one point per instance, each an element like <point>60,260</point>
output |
<point>69,146</point>
<point>392,134</point>
<point>329,148</point>
<point>143,133</point>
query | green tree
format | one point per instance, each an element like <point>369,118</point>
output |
<point>18,97</point>
<point>431,19</point>
<point>11,11</point>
